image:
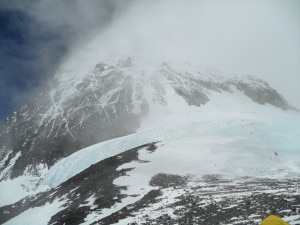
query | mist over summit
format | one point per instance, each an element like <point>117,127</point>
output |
<point>254,38</point>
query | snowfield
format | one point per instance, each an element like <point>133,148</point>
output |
<point>252,141</point>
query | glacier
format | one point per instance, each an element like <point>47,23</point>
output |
<point>251,141</point>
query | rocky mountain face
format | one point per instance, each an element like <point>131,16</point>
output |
<point>107,102</point>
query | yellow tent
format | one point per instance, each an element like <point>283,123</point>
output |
<point>273,220</point>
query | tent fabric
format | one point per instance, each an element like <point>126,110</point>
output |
<point>273,220</point>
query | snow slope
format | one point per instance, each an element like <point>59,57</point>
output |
<point>249,139</point>
<point>38,215</point>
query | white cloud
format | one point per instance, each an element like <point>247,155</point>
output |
<point>255,37</point>
<point>260,38</point>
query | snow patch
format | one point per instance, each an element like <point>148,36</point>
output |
<point>18,188</point>
<point>38,215</point>
<point>6,172</point>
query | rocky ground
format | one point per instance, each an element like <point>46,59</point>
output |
<point>91,197</point>
<point>212,200</point>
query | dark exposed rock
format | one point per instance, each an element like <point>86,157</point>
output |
<point>262,93</point>
<point>167,180</point>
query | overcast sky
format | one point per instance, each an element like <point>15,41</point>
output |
<point>260,38</point>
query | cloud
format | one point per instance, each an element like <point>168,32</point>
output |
<point>260,38</point>
<point>36,35</point>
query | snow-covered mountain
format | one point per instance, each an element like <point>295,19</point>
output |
<point>108,101</point>
<point>113,140</point>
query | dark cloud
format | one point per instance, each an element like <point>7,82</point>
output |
<point>35,37</point>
